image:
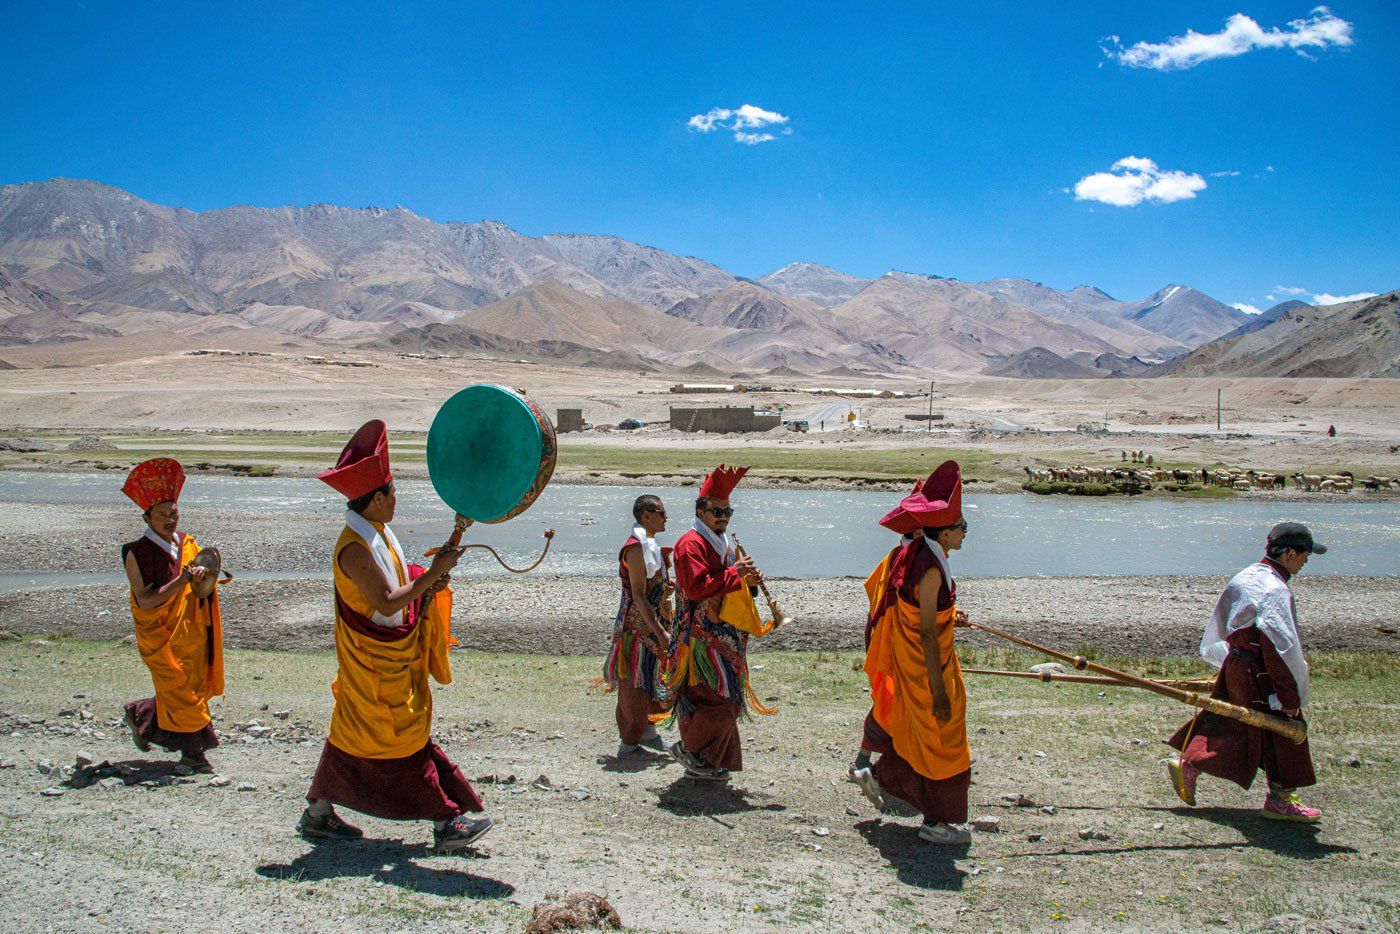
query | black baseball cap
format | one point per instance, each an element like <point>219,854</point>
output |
<point>1295,535</point>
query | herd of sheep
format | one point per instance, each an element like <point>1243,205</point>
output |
<point>1342,482</point>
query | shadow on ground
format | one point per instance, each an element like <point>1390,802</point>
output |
<point>389,862</point>
<point>639,761</point>
<point>925,865</point>
<point>1286,839</point>
<point>687,797</point>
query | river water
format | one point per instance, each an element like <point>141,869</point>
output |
<point>820,533</point>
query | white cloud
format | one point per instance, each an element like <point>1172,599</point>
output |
<point>1230,174</point>
<point>1133,180</point>
<point>1289,290</point>
<point>1247,309</point>
<point>740,121</point>
<point>1240,35</point>
<point>1326,299</point>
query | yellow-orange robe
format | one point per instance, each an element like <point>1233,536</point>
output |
<point>181,642</point>
<point>902,700</point>
<point>380,758</point>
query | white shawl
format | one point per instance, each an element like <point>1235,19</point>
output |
<point>720,544</point>
<point>172,547</point>
<point>942,562</point>
<point>651,550</point>
<point>379,548</point>
<point>1257,596</point>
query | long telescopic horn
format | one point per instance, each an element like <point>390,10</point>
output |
<point>1290,729</point>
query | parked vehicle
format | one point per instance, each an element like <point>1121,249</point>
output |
<point>630,424</point>
<point>795,424</point>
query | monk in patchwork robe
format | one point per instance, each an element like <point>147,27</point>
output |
<point>715,616</point>
<point>641,633</point>
<point>1252,637</point>
<point>178,632</point>
<point>392,631</point>
<point>918,717</point>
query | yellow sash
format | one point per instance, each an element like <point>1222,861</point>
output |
<point>739,610</point>
<point>383,706</point>
<point>182,643</point>
<point>900,695</point>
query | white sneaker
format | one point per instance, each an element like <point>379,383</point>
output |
<point>945,834</point>
<point>868,785</point>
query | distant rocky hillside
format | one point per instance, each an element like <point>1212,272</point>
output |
<point>83,261</point>
<point>1352,339</point>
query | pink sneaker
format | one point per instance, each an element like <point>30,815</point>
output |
<point>1183,778</point>
<point>1288,807</point>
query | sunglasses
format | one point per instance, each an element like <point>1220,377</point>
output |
<point>724,513</point>
<point>659,512</point>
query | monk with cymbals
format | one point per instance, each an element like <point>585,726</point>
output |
<point>178,627</point>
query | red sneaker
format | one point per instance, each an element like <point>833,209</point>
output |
<point>1287,807</point>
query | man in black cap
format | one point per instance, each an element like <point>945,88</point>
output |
<point>1252,637</point>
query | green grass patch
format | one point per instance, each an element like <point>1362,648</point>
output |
<point>844,460</point>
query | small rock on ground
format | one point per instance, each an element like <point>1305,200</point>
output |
<point>572,912</point>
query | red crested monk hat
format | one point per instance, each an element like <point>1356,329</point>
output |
<point>364,464</point>
<point>935,502</point>
<point>722,481</point>
<point>158,480</point>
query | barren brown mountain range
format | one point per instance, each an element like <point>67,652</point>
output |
<point>83,261</point>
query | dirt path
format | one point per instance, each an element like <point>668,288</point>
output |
<point>789,846</point>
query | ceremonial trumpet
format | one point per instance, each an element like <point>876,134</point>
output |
<point>779,617</point>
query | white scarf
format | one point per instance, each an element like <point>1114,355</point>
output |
<point>172,547</point>
<point>719,544</point>
<point>1257,596</point>
<point>651,550</point>
<point>942,559</point>
<point>379,549</point>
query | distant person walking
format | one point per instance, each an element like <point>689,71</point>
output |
<point>1331,431</point>
<point>1253,638</point>
<point>641,631</point>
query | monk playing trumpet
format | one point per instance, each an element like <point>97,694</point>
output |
<point>392,630</point>
<point>715,615</point>
<point>178,630</point>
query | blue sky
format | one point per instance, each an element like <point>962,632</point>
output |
<point>938,138</point>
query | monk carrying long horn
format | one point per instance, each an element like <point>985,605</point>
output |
<point>918,717</point>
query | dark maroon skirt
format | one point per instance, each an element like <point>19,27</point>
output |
<point>423,786</point>
<point>711,727</point>
<point>942,800</point>
<point>143,714</point>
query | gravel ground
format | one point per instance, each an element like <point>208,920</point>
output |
<point>547,615</point>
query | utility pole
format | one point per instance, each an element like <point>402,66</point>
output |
<point>930,406</point>
<point>1217,410</point>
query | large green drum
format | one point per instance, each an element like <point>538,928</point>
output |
<point>490,453</point>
